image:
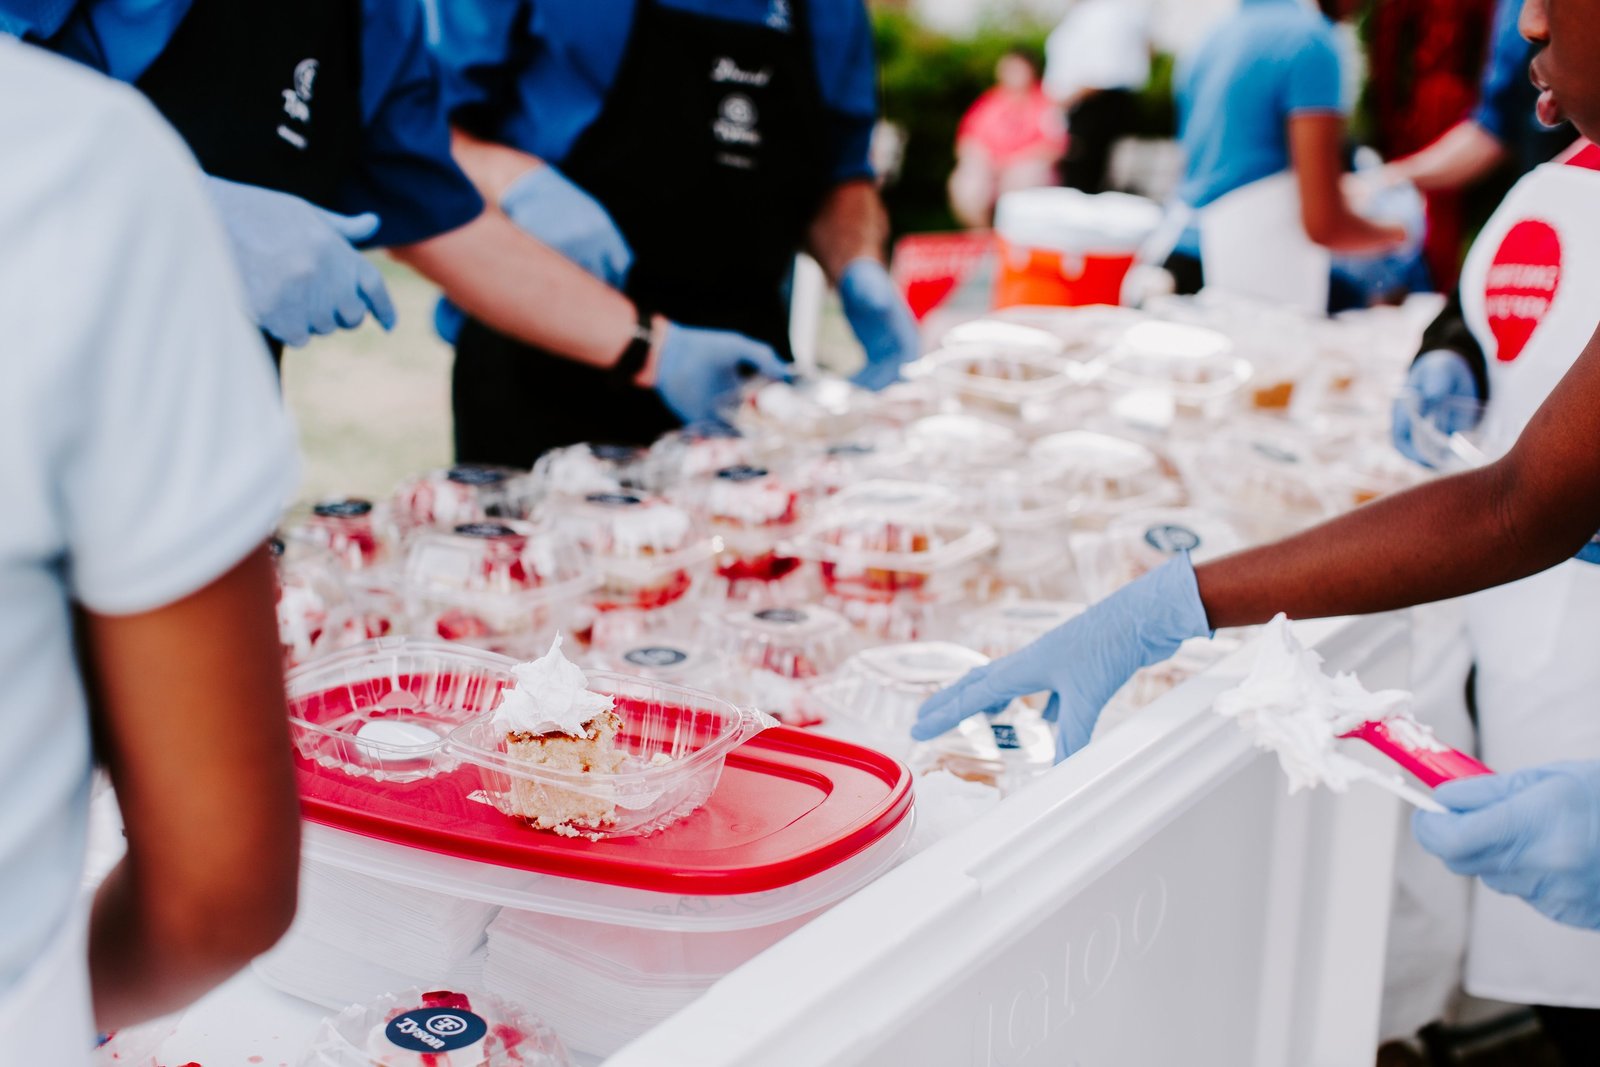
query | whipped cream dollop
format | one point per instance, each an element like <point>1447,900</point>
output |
<point>1289,706</point>
<point>551,697</point>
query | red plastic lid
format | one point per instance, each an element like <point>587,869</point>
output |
<point>789,805</point>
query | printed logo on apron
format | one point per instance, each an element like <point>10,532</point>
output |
<point>1521,285</point>
<point>297,105</point>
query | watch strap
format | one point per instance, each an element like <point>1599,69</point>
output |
<point>627,367</point>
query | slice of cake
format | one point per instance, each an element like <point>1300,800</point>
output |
<point>552,721</point>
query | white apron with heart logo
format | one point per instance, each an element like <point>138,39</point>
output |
<point>1528,291</point>
<point>47,1018</point>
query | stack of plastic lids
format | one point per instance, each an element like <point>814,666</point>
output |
<point>650,553</point>
<point>579,470</point>
<point>422,1027</point>
<point>460,494</point>
<point>1018,385</point>
<point>752,512</point>
<point>779,653</point>
<point>1105,475</point>
<point>896,559</point>
<point>1195,367</point>
<point>503,585</point>
<point>874,702</point>
<point>1001,629</point>
<point>603,984</point>
<point>355,936</point>
<point>1137,544</point>
<point>1262,479</point>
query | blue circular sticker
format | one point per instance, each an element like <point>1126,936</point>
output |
<point>485,529</point>
<point>1274,453</point>
<point>614,500</point>
<point>782,616</point>
<point>655,656</point>
<point>742,473</point>
<point>614,453</point>
<point>476,475</point>
<point>436,1030</point>
<point>850,449</point>
<point>1005,736</point>
<point>342,509</point>
<point>1171,540</point>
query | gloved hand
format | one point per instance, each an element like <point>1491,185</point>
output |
<point>699,369</point>
<point>1534,834</point>
<point>881,320</point>
<point>1081,663</point>
<point>1441,379</point>
<point>545,205</point>
<point>301,273</point>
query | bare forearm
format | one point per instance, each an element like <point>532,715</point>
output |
<point>526,290</point>
<point>1464,155</point>
<point>850,224</point>
<point>491,167</point>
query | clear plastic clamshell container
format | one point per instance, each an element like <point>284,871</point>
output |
<point>812,409</point>
<point>667,659</point>
<point>1033,523</point>
<point>874,702</point>
<point>828,468</point>
<point>317,611</point>
<point>1134,545</point>
<point>1266,482</point>
<point>751,511</point>
<point>358,533</point>
<point>673,741</point>
<point>1105,475</point>
<point>1084,332</point>
<point>436,1028</point>
<point>460,494</point>
<point>998,335</point>
<point>502,585</point>
<point>1018,384</point>
<point>578,470</point>
<point>1194,366</point>
<point>650,553</point>
<point>1009,626</point>
<point>961,447</point>
<point>877,552</point>
<point>697,452</point>
<point>382,710</point>
<point>778,653</point>
<point>1450,437</point>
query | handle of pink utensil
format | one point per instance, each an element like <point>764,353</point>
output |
<point>1433,768</point>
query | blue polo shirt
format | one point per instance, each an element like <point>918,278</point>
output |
<point>534,74</point>
<point>1507,99</point>
<point>1271,60</point>
<point>405,172</point>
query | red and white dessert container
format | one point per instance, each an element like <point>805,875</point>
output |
<point>1194,367</point>
<point>356,532</point>
<point>751,512</point>
<point>436,1028</point>
<point>579,470</point>
<point>461,494</point>
<point>1105,475</point>
<point>317,613</point>
<point>1018,385</point>
<point>826,469</point>
<point>697,452</point>
<point>777,413</point>
<point>503,585</point>
<point>777,654</point>
<point>651,555</point>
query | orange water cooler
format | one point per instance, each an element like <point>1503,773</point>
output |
<point>1065,248</point>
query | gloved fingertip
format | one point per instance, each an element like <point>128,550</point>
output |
<point>354,227</point>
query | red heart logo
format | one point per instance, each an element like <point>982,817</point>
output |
<point>1522,283</point>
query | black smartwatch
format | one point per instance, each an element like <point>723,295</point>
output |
<point>627,367</point>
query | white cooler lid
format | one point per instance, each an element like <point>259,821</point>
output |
<point>1067,220</point>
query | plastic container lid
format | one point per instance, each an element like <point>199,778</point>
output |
<point>885,498</point>
<point>1068,220</point>
<point>464,493</point>
<point>1192,363</point>
<point>1001,629</point>
<point>779,652</point>
<point>1003,380</point>
<point>438,1028</point>
<point>356,532</point>
<point>1103,473</point>
<point>695,452</point>
<point>579,470</point>
<point>317,613</point>
<point>875,698</point>
<point>829,468</point>
<point>996,335</point>
<point>880,553</point>
<point>962,443</point>
<point>824,407</point>
<point>647,549</point>
<point>677,662</point>
<point>1260,475</point>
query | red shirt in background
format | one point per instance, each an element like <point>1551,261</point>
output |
<point>1010,126</point>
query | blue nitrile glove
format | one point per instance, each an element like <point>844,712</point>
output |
<point>301,273</point>
<point>700,369</point>
<point>1082,663</point>
<point>1437,378</point>
<point>1533,834</point>
<point>545,205</point>
<point>881,320</point>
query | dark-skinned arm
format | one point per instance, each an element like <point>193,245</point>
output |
<point>191,724</point>
<point>1533,509</point>
<point>1316,148</point>
<point>850,223</point>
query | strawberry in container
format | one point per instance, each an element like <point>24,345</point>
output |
<point>695,452</point>
<point>781,653</point>
<point>751,511</point>
<point>649,553</point>
<point>360,536</point>
<point>504,586</point>
<point>462,494</point>
<point>314,606</point>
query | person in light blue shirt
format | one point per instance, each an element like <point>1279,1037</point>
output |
<point>321,127</point>
<point>681,150</point>
<point>1261,96</point>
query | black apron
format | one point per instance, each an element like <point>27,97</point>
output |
<point>711,155</point>
<point>266,92</point>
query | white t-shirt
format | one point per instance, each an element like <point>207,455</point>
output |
<point>143,447</point>
<point>1101,44</point>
